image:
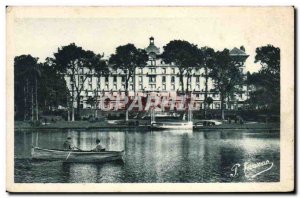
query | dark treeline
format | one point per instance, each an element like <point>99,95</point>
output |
<point>41,87</point>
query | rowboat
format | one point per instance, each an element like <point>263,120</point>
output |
<point>75,155</point>
<point>172,125</point>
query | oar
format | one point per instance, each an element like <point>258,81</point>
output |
<point>77,148</point>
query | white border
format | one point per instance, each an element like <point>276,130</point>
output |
<point>95,2</point>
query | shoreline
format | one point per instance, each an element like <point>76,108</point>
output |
<point>89,126</point>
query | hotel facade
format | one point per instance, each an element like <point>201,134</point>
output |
<point>155,79</point>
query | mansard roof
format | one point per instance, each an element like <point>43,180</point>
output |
<point>237,52</point>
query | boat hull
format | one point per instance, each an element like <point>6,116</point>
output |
<point>75,156</point>
<point>171,125</point>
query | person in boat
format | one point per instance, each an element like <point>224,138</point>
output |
<point>68,145</point>
<point>99,147</point>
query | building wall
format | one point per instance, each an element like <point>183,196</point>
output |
<point>157,77</point>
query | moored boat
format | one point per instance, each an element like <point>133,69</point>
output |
<point>75,155</point>
<point>203,123</point>
<point>172,125</point>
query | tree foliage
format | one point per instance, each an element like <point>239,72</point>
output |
<point>207,64</point>
<point>184,55</point>
<point>77,64</point>
<point>53,91</point>
<point>26,73</point>
<point>127,58</point>
<point>266,82</point>
<point>226,75</point>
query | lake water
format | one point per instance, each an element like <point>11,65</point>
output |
<point>160,156</point>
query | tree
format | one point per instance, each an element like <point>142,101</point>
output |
<point>266,82</point>
<point>128,58</point>
<point>101,69</point>
<point>208,64</point>
<point>226,76</point>
<point>53,89</point>
<point>185,56</point>
<point>209,101</point>
<point>93,102</point>
<point>77,64</point>
<point>26,74</point>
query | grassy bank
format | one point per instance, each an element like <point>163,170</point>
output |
<point>97,125</point>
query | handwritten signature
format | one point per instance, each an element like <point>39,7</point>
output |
<point>251,170</point>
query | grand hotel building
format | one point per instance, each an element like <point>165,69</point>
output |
<point>157,78</point>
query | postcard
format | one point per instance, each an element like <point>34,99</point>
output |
<point>150,99</point>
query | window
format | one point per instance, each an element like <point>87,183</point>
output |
<point>90,86</point>
<point>140,70</point>
<point>197,79</point>
<point>152,79</point>
<point>123,78</point>
<point>163,79</point>
<point>106,86</point>
<point>115,87</point>
<point>131,87</point>
<point>173,70</point>
<point>98,85</point>
<point>173,87</point>
<point>153,62</point>
<point>173,79</point>
<point>141,87</point>
<point>152,70</point>
<point>140,79</point>
<point>90,79</point>
<point>106,78</point>
<point>81,79</point>
<point>153,86</point>
<point>163,70</point>
<point>115,78</point>
<point>164,87</point>
<point>198,87</point>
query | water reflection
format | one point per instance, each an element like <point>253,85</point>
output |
<point>151,156</point>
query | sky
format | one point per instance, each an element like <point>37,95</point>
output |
<point>41,37</point>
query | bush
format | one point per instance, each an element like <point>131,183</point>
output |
<point>35,123</point>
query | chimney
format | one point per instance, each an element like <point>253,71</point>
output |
<point>151,40</point>
<point>242,48</point>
